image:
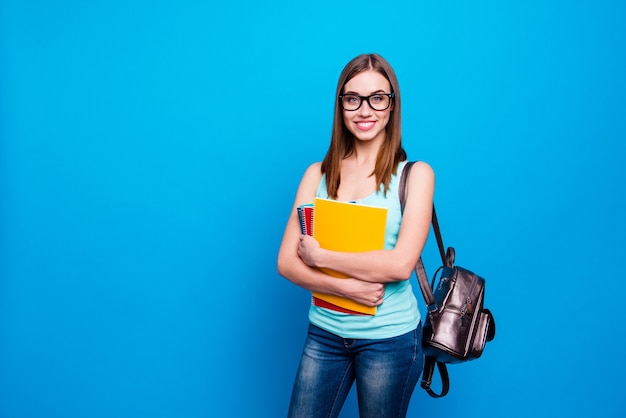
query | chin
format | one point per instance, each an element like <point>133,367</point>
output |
<point>366,136</point>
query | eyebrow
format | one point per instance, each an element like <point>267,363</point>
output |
<point>375,92</point>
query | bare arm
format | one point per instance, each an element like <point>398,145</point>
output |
<point>291,266</point>
<point>385,266</point>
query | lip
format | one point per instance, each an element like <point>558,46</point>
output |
<point>365,125</point>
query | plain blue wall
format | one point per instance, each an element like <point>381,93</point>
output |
<point>150,152</point>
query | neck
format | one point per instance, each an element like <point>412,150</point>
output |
<point>365,152</point>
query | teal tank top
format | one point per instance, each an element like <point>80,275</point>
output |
<point>399,313</point>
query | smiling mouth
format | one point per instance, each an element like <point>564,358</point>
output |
<point>365,126</point>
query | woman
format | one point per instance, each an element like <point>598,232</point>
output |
<point>382,353</point>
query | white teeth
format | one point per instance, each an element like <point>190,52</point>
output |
<point>365,124</point>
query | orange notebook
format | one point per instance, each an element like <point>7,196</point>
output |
<point>348,227</point>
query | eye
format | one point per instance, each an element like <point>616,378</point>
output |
<point>349,99</point>
<point>377,98</point>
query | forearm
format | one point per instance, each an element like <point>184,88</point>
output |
<point>366,293</point>
<point>381,266</point>
<point>293,269</point>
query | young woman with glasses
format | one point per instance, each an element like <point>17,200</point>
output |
<point>382,352</point>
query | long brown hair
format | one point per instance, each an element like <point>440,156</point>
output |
<point>341,146</point>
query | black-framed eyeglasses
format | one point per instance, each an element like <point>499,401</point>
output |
<point>379,101</point>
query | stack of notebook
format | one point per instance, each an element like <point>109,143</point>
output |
<point>346,227</point>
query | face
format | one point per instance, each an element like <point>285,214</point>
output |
<point>365,123</point>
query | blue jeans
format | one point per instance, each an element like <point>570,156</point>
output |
<point>386,372</point>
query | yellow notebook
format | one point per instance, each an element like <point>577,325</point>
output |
<point>348,227</point>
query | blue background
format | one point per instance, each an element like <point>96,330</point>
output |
<point>149,156</point>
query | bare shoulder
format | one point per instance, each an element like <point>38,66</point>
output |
<point>421,190</point>
<point>314,170</point>
<point>422,172</point>
<point>313,174</point>
<point>309,183</point>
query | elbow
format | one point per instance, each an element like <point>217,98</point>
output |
<point>404,272</point>
<point>283,265</point>
<point>282,269</point>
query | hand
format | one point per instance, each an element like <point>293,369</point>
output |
<point>366,293</point>
<point>308,247</point>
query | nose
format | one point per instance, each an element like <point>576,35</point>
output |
<point>365,108</point>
